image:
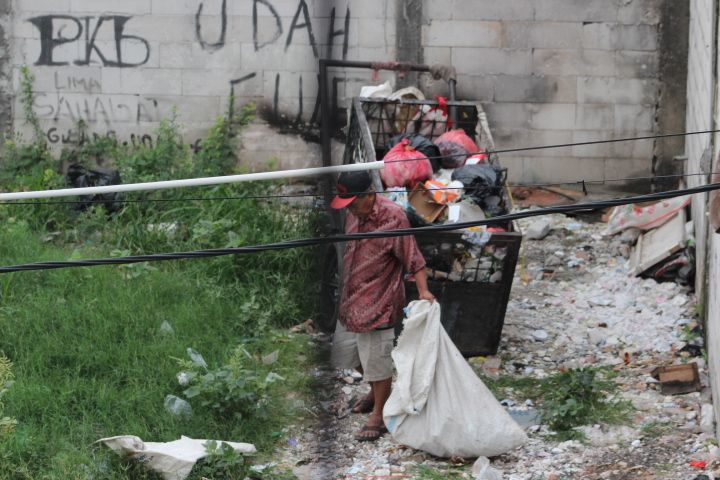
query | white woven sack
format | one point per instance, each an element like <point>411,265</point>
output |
<point>438,403</point>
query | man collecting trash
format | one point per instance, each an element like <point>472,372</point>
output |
<point>373,293</point>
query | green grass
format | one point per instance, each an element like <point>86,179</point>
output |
<point>424,472</point>
<point>90,361</point>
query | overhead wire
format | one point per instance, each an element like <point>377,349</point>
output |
<point>314,241</point>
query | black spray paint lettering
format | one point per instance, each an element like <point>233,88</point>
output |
<point>298,24</point>
<point>302,8</point>
<point>278,24</point>
<point>94,109</point>
<point>49,41</point>
<point>211,47</point>
<point>74,137</point>
<point>332,33</point>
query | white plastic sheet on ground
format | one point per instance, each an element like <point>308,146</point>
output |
<point>438,403</point>
<point>173,460</point>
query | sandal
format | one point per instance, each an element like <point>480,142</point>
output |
<point>364,405</point>
<point>377,433</point>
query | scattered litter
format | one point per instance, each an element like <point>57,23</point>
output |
<point>526,417</point>
<point>183,379</point>
<point>172,460</point>
<point>540,335</point>
<point>308,326</point>
<point>481,470</point>
<point>166,328</point>
<point>196,358</point>
<point>271,358</point>
<point>707,418</point>
<point>539,229</point>
<point>178,407</point>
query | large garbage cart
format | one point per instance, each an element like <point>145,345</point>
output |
<point>470,274</point>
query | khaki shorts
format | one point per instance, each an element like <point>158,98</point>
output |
<point>371,350</point>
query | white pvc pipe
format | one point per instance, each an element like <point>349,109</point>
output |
<point>192,182</point>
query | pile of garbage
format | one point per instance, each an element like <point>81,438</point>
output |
<point>445,181</point>
<point>471,261</point>
<point>438,174</point>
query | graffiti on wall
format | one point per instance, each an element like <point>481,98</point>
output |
<point>79,41</point>
<point>58,30</point>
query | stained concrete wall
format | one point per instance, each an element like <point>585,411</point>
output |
<point>702,110</point>
<point>549,71</point>
<point>559,71</point>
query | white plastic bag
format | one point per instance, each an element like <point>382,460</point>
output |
<point>173,460</point>
<point>376,91</point>
<point>438,403</point>
<point>481,470</point>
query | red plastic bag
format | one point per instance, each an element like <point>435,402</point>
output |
<point>405,166</point>
<point>455,146</point>
<point>461,138</point>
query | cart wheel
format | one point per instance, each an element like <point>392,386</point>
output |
<point>330,288</point>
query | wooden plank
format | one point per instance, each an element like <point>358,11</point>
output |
<point>658,244</point>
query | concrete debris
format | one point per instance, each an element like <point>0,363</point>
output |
<point>540,335</point>
<point>707,418</point>
<point>539,229</point>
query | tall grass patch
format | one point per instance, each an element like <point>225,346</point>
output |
<point>92,355</point>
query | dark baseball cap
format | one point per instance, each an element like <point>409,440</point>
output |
<point>349,185</point>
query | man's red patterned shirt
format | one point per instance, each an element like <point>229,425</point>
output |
<point>373,291</point>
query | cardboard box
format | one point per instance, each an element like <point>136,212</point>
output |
<point>677,379</point>
<point>422,201</point>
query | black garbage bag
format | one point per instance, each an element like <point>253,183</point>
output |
<point>483,184</point>
<point>453,154</point>
<point>79,176</point>
<point>422,144</point>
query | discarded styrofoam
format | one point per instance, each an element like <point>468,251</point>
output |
<point>482,470</point>
<point>173,460</point>
<point>539,229</point>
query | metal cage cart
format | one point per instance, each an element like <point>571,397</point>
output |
<point>471,276</point>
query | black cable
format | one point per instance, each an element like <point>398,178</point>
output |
<point>307,242</point>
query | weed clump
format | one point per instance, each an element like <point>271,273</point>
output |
<point>236,390</point>
<point>581,396</point>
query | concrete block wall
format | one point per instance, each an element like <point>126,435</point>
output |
<point>548,71</point>
<point>123,66</point>
<point>702,109</point>
<point>557,71</point>
<point>700,92</point>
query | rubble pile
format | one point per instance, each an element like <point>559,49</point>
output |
<point>573,304</point>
